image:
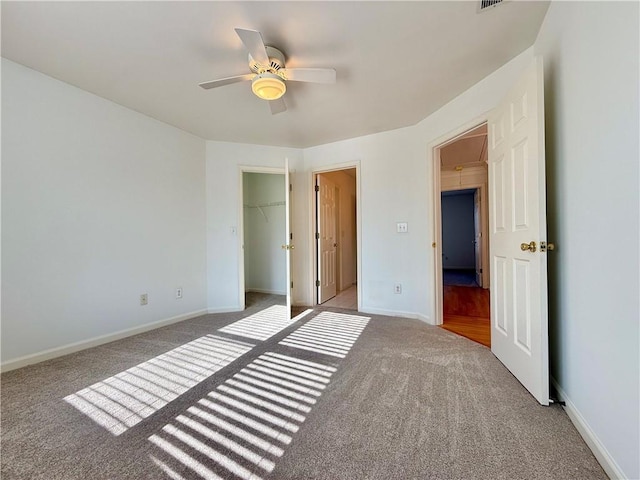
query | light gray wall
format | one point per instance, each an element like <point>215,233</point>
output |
<point>458,232</point>
<point>591,113</point>
<point>99,205</point>
<point>264,259</point>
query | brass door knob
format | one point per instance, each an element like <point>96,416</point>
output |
<point>531,246</point>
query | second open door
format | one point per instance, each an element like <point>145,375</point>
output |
<point>326,238</point>
<point>519,315</point>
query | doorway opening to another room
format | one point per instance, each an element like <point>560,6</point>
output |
<point>462,260</point>
<point>336,238</point>
<point>463,225</point>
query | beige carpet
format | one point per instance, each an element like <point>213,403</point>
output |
<point>335,395</point>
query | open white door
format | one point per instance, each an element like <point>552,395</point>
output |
<point>326,238</point>
<point>288,244</point>
<point>519,316</point>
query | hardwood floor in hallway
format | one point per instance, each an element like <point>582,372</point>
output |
<point>466,312</point>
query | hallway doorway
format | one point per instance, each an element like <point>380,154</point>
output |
<point>335,199</point>
<point>464,239</point>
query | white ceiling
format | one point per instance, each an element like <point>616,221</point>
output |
<point>396,62</point>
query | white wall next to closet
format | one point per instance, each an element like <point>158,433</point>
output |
<point>99,205</point>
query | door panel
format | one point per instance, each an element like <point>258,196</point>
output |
<point>522,305</point>
<point>327,242</point>
<point>496,175</point>
<point>499,290</point>
<point>519,326</point>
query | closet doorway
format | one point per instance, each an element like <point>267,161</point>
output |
<point>264,231</point>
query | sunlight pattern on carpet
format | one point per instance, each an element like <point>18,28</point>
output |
<point>262,325</point>
<point>123,400</point>
<point>242,427</point>
<point>329,333</point>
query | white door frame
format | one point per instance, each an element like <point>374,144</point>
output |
<point>241,170</point>
<point>434,153</point>
<point>312,227</point>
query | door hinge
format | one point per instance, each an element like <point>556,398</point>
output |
<point>291,236</point>
<point>290,187</point>
<point>317,188</point>
<point>292,285</point>
<point>317,283</point>
<point>317,236</point>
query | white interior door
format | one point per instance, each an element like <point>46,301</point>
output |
<point>327,240</point>
<point>288,242</point>
<point>477,239</point>
<point>519,316</point>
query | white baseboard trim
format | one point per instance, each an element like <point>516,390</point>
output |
<point>93,342</point>
<point>609,465</point>
<point>392,313</point>
<point>233,309</point>
<point>267,291</point>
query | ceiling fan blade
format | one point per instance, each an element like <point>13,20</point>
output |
<point>226,81</point>
<point>315,75</point>
<point>277,106</point>
<point>253,42</point>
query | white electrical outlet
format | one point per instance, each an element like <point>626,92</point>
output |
<point>402,227</point>
<point>179,292</point>
<point>144,299</point>
<point>397,288</point>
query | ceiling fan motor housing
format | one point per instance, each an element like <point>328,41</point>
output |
<point>276,62</point>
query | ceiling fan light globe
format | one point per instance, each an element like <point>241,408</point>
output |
<point>268,86</point>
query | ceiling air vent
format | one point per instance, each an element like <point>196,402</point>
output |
<point>484,5</point>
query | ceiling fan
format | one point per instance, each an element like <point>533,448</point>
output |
<point>269,74</point>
